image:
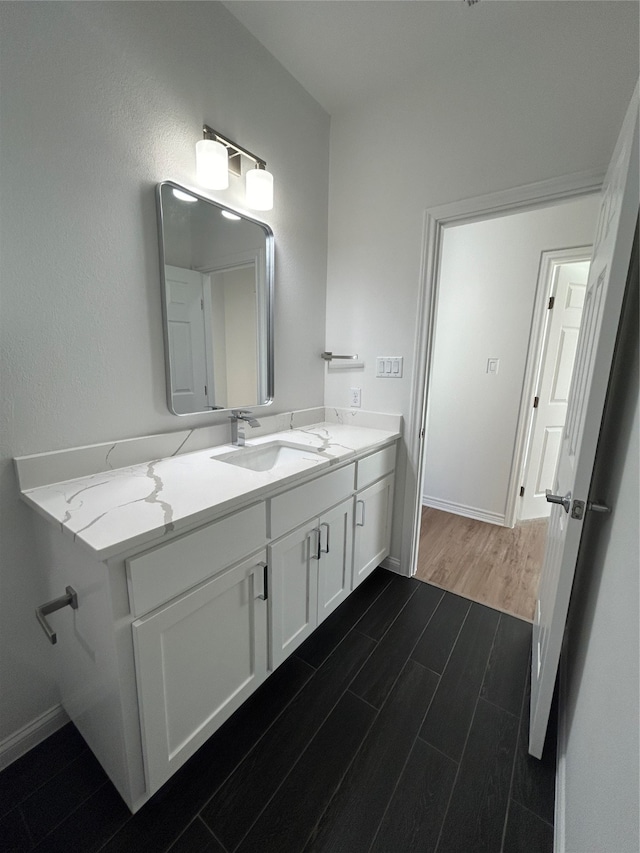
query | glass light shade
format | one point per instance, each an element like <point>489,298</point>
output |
<point>259,189</point>
<point>212,164</point>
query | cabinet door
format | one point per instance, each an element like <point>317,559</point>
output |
<point>197,659</point>
<point>336,556</point>
<point>373,507</point>
<point>293,566</point>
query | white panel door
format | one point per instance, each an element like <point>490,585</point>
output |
<point>373,507</point>
<point>293,570</point>
<point>336,555</point>
<point>197,660</point>
<point>596,343</point>
<point>559,353</point>
<point>187,352</point>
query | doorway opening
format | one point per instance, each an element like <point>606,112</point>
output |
<point>486,332</point>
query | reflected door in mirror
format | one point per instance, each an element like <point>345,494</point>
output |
<point>217,287</point>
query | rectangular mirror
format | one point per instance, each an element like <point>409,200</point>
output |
<point>216,268</point>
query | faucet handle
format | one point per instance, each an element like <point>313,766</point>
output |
<point>239,413</point>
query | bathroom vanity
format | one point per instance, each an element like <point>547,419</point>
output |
<point>198,573</point>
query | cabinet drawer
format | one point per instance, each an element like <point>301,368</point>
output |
<point>166,571</point>
<point>298,505</point>
<point>371,468</point>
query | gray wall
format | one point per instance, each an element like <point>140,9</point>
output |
<point>548,101</point>
<point>601,748</point>
<point>99,102</point>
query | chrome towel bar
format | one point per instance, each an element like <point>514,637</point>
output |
<point>68,600</point>
<point>329,356</point>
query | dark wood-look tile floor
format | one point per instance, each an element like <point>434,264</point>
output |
<point>400,725</point>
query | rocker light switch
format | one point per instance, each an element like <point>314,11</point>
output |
<point>389,367</point>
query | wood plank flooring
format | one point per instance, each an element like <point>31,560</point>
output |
<point>496,566</point>
<point>400,725</point>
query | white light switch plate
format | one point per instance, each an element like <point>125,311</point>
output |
<point>389,367</point>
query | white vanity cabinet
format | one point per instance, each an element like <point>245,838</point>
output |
<point>198,654</point>
<point>311,575</point>
<point>197,659</point>
<point>174,630</point>
<point>373,511</point>
<point>310,567</point>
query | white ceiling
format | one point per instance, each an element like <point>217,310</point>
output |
<point>343,51</point>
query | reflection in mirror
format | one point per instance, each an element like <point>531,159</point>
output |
<point>217,288</point>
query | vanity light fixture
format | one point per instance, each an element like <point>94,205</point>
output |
<point>259,188</point>
<point>216,156</point>
<point>212,164</point>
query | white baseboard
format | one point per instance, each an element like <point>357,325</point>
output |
<point>466,511</point>
<point>393,564</point>
<point>20,742</point>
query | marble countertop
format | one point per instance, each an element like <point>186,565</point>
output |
<point>117,511</point>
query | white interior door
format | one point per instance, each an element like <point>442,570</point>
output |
<point>187,354</point>
<point>596,342</point>
<point>552,392</point>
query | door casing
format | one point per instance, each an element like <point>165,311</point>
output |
<point>436,219</point>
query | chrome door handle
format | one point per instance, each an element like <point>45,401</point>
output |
<point>68,600</point>
<point>557,499</point>
<point>593,506</point>
<point>360,523</point>
<point>577,511</point>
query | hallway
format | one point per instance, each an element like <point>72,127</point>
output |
<point>493,565</point>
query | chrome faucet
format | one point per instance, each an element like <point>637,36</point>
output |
<point>238,418</point>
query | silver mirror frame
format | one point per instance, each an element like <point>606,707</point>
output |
<point>267,369</point>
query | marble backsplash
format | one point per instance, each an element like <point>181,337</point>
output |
<point>42,469</point>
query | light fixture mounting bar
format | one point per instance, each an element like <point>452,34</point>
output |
<point>236,152</point>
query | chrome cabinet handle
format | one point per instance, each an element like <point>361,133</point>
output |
<point>315,556</point>
<point>324,524</point>
<point>360,523</point>
<point>68,600</point>
<point>558,499</point>
<point>265,581</point>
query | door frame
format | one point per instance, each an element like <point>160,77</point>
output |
<point>436,219</point>
<point>549,263</point>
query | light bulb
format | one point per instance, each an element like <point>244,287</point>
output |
<point>259,189</point>
<point>212,164</point>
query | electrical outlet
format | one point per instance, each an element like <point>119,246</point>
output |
<point>355,397</point>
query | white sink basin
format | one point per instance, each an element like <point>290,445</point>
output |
<point>265,457</point>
